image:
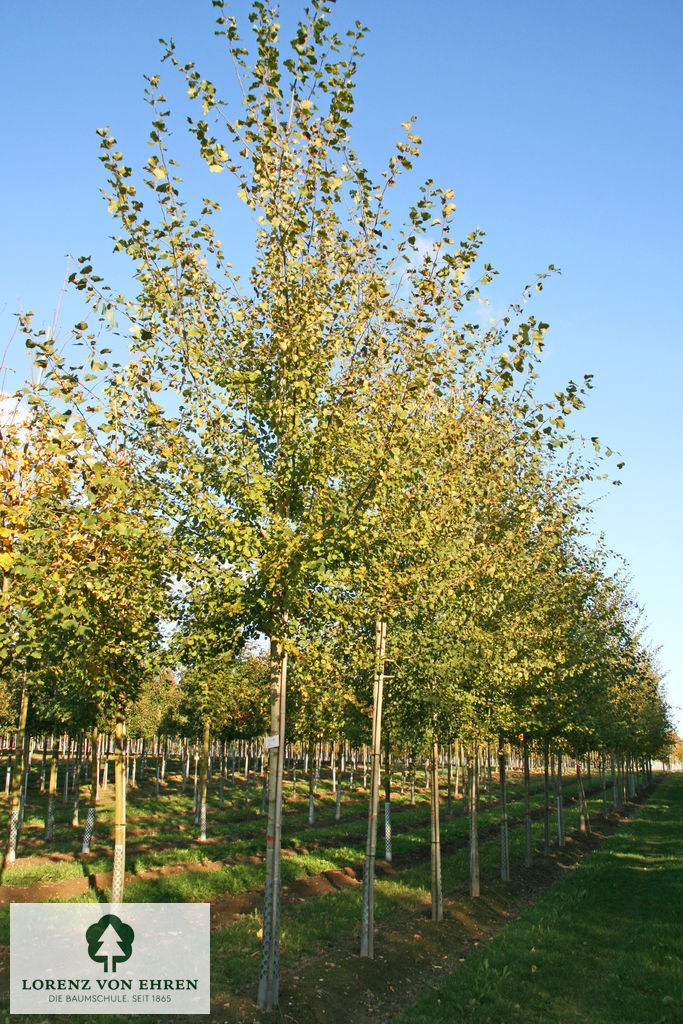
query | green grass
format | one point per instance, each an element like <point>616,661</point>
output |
<point>314,924</point>
<point>162,832</point>
<point>601,947</point>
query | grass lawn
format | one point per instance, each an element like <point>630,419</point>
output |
<point>601,947</point>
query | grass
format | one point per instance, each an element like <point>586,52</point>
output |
<point>162,831</point>
<point>601,947</point>
<point>311,926</point>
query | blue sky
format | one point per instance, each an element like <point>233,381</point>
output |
<point>557,125</point>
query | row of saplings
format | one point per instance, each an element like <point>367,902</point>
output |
<point>86,759</point>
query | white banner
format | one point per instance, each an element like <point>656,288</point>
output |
<point>96,958</point>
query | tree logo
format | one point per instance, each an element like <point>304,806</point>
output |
<point>110,942</point>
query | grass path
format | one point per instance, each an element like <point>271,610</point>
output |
<point>601,947</point>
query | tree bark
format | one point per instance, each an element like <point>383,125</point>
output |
<point>118,875</point>
<point>17,780</point>
<point>269,977</point>
<point>94,776</point>
<point>504,837</point>
<point>546,802</point>
<point>528,848</point>
<point>52,790</point>
<point>560,809</point>
<point>473,783</point>
<point>368,907</point>
<point>204,779</point>
<point>388,854</point>
<point>77,782</point>
<point>437,894</point>
<point>311,780</point>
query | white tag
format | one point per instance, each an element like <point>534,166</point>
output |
<point>272,742</point>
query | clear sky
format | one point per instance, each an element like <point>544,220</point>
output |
<point>557,124</point>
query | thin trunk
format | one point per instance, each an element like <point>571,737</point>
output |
<point>528,848</point>
<point>388,854</point>
<point>67,772</point>
<point>560,810</point>
<point>473,782</point>
<point>119,872</point>
<point>584,821</point>
<point>221,781</point>
<point>311,781</point>
<point>269,977</point>
<point>437,894</point>
<point>457,768</point>
<point>52,791</point>
<point>17,780</point>
<point>195,791</point>
<point>43,765</point>
<point>94,774</point>
<point>546,802</point>
<point>368,907</point>
<point>77,782</point>
<point>203,779</point>
<point>504,837</point>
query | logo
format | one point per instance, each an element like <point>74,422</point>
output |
<point>110,942</point>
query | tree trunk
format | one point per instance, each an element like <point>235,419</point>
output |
<point>560,809</point>
<point>528,848</point>
<point>388,854</point>
<point>269,977</point>
<point>221,781</point>
<point>311,780</point>
<point>437,894</point>
<point>546,802</point>
<point>77,782</point>
<point>504,837</point>
<point>94,775</point>
<point>118,876</point>
<point>43,765</point>
<point>52,791</point>
<point>157,773</point>
<point>584,820</point>
<point>17,780</point>
<point>204,779</point>
<point>457,767</point>
<point>473,783</point>
<point>368,907</point>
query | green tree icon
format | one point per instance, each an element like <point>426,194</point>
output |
<point>110,941</point>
